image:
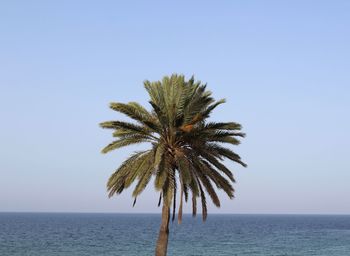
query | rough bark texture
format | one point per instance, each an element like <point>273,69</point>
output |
<point>162,243</point>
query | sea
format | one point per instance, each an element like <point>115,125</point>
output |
<point>76,234</point>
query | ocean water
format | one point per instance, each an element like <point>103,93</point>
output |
<point>27,234</point>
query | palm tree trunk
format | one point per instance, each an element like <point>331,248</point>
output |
<point>162,243</point>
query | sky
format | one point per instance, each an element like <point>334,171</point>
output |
<point>283,67</point>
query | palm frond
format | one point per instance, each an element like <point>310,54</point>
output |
<point>138,113</point>
<point>116,182</point>
<point>126,141</point>
<point>204,202</point>
<point>125,126</point>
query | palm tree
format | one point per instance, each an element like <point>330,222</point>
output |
<point>186,151</point>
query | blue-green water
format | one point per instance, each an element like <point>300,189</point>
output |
<point>26,234</point>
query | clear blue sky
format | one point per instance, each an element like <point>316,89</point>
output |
<point>283,67</point>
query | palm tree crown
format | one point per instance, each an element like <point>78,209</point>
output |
<point>186,150</point>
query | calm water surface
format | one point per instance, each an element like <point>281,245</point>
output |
<point>27,234</point>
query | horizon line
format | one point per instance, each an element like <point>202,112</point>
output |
<point>159,213</point>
